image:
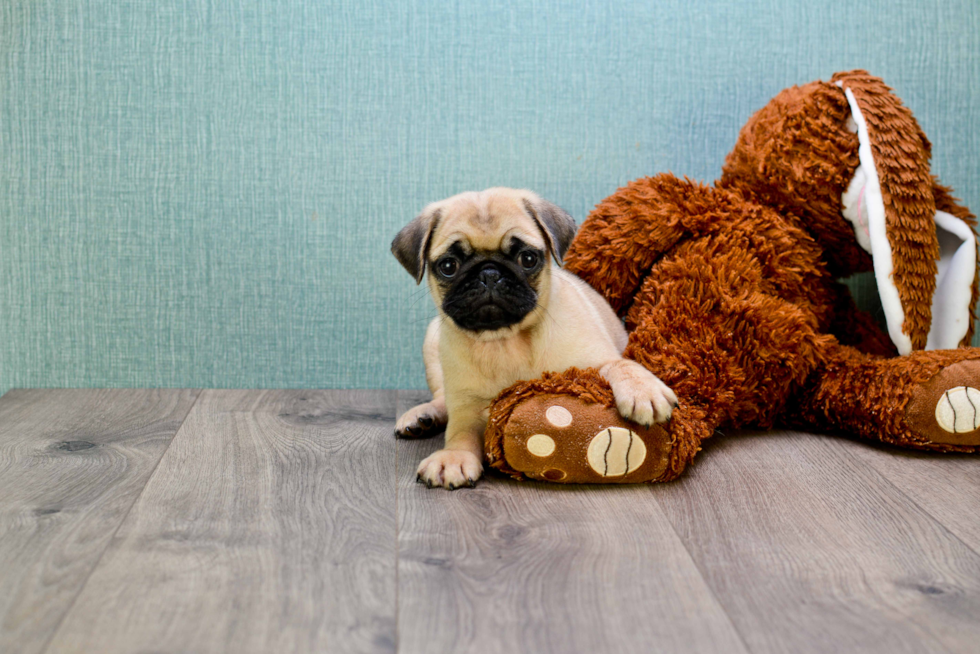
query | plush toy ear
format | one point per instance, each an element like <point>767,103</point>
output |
<point>411,244</point>
<point>952,303</point>
<point>896,189</point>
<point>554,222</point>
<point>959,254</point>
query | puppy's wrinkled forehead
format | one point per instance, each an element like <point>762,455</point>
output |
<point>486,221</point>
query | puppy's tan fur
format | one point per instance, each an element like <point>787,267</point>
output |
<point>572,325</point>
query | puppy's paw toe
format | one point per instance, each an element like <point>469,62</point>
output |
<point>420,422</point>
<point>450,469</point>
<point>646,403</point>
<point>627,407</point>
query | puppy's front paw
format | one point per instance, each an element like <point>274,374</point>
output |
<point>422,421</point>
<point>640,395</point>
<point>450,469</point>
<point>646,403</point>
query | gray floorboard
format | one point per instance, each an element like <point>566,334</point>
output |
<point>810,549</point>
<point>947,487</point>
<point>72,462</point>
<point>269,526</point>
<point>526,567</point>
<point>290,521</point>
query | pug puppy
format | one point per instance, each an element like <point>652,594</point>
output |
<point>506,313</point>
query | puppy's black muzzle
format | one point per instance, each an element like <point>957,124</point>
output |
<point>489,296</point>
<point>489,276</point>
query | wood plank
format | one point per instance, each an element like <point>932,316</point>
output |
<point>528,567</point>
<point>269,526</point>
<point>72,462</point>
<point>947,486</point>
<point>811,550</point>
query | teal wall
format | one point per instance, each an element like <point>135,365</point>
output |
<point>202,192</point>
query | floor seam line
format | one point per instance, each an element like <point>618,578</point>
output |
<point>397,532</point>
<point>704,579</point>
<point>98,562</point>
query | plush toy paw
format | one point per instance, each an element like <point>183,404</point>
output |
<point>422,421</point>
<point>564,439</point>
<point>450,469</point>
<point>946,408</point>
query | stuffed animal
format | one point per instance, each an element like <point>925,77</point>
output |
<point>730,295</point>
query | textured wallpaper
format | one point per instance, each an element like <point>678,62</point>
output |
<point>202,193</point>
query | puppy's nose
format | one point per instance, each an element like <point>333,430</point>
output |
<point>489,276</point>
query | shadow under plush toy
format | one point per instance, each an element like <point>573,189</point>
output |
<point>730,297</point>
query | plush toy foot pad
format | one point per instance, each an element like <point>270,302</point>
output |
<point>563,439</point>
<point>946,409</point>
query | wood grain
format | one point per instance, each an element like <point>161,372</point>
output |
<point>527,567</point>
<point>290,521</point>
<point>269,526</point>
<point>72,462</point>
<point>947,486</point>
<point>809,549</point>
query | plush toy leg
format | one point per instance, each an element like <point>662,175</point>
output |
<point>925,400</point>
<point>564,427</point>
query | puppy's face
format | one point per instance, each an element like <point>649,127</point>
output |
<point>487,269</point>
<point>488,255</point>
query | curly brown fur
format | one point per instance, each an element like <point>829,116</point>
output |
<point>901,154</point>
<point>730,293</point>
<point>775,164</point>
<point>869,397</point>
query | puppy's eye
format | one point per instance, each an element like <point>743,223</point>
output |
<point>529,259</point>
<point>447,267</point>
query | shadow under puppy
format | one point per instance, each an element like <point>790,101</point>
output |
<point>506,314</point>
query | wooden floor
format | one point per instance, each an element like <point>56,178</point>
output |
<point>290,521</point>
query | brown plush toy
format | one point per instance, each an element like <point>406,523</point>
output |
<point>730,295</point>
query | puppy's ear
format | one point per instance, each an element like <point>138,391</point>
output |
<point>556,225</point>
<point>411,245</point>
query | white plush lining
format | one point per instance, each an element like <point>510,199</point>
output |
<point>881,250</point>
<point>954,282</point>
<point>855,209</point>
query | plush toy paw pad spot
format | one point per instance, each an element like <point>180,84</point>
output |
<point>615,452</point>
<point>946,408</point>
<point>958,410</point>
<point>558,416</point>
<point>541,445</point>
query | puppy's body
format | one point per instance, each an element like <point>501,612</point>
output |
<point>479,367</point>
<point>586,331</point>
<point>506,314</point>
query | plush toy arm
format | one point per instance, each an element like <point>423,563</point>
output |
<point>625,234</point>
